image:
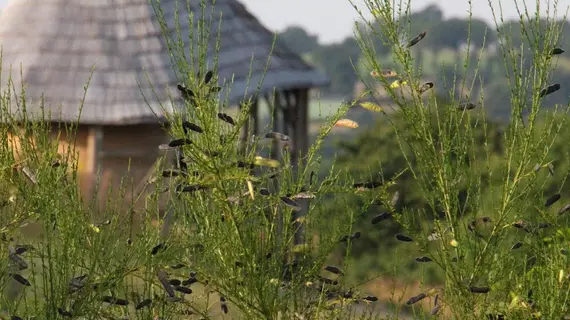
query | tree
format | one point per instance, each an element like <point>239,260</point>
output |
<point>298,40</point>
<point>336,60</point>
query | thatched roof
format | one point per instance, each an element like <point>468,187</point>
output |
<point>58,42</point>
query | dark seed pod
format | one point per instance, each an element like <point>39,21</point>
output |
<point>564,209</point>
<point>178,266</point>
<point>544,225</point>
<point>290,203</point>
<point>22,248</point>
<point>486,219</point>
<point>304,195</point>
<point>186,125</point>
<point>191,188</point>
<point>241,164</point>
<point>434,310</point>
<point>179,143</point>
<point>516,246</point>
<point>208,77</point>
<point>334,270</point>
<point>556,51</point>
<point>264,192</point>
<point>404,238</point>
<point>186,93</point>
<point>18,261</point>
<point>163,278</point>
<point>417,39</point>
<point>328,281</point>
<point>416,299</point>
<point>224,308</point>
<point>215,89</point>
<point>174,282</point>
<point>144,303</point>
<point>344,239</point>
<point>15,318</point>
<point>521,224</point>
<point>21,279</point>
<point>564,252</point>
<point>77,283</point>
<point>170,173</point>
<point>381,217</point>
<point>479,289</point>
<point>116,301</point>
<point>550,89</point>
<point>423,259</point>
<point>551,169</point>
<point>311,177</point>
<point>425,87</point>
<point>190,281</point>
<point>367,185</point>
<point>64,312</point>
<point>370,298</point>
<point>355,236</point>
<point>277,136</point>
<point>226,118</point>
<point>466,106</point>
<point>550,201</point>
<point>157,248</point>
<point>184,290</point>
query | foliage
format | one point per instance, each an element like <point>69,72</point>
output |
<point>235,236</point>
<point>484,204</point>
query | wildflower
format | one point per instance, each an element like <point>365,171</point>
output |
<point>371,106</point>
<point>346,123</point>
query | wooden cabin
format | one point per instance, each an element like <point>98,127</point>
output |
<point>58,43</point>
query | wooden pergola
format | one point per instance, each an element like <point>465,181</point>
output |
<point>57,43</point>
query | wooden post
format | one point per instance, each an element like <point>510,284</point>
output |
<point>300,142</point>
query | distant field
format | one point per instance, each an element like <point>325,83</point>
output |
<point>318,108</point>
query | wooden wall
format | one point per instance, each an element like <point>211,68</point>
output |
<point>117,146</point>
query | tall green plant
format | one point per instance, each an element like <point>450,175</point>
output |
<point>497,245</point>
<point>227,243</point>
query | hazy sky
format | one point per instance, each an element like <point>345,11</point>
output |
<point>332,20</point>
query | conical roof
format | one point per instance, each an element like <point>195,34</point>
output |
<point>58,42</point>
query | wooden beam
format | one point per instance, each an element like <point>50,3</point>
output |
<point>300,141</point>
